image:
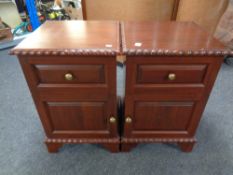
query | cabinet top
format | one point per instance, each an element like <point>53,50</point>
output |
<point>168,38</point>
<point>72,38</point>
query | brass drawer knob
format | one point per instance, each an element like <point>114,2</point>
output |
<point>171,76</point>
<point>69,77</point>
<point>112,120</point>
<point>128,120</point>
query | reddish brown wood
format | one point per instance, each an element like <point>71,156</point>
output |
<point>186,147</point>
<point>53,147</point>
<point>160,73</point>
<point>81,73</point>
<point>159,109</point>
<point>72,38</point>
<point>169,38</point>
<point>84,11</point>
<point>162,116</point>
<point>76,110</point>
<point>164,110</point>
<point>126,147</point>
<point>175,9</point>
<point>112,147</point>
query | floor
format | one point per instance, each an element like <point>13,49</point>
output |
<point>24,153</point>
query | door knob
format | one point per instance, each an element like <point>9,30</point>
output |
<point>128,120</point>
<point>112,120</point>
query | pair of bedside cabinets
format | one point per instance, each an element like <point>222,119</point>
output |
<point>70,68</point>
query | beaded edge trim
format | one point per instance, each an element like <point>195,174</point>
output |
<point>154,140</point>
<point>74,140</point>
<point>84,52</point>
<point>202,52</point>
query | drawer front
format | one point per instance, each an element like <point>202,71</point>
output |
<point>163,116</point>
<point>74,74</point>
<point>152,74</point>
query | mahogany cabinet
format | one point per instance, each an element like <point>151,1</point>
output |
<point>70,68</point>
<point>170,71</point>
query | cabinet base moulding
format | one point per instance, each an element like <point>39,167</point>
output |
<point>53,145</point>
<point>185,144</point>
<point>158,140</point>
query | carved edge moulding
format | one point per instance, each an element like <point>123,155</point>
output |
<point>121,51</point>
<point>133,52</point>
<point>202,52</point>
<point>56,52</point>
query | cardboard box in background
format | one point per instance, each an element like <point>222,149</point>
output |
<point>9,14</point>
<point>5,32</point>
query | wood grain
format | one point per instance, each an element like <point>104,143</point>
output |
<point>164,110</point>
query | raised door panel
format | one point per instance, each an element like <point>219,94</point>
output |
<point>162,116</point>
<point>76,116</point>
<point>80,118</point>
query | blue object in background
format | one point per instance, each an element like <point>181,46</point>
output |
<point>34,20</point>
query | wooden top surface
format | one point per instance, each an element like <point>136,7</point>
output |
<point>103,38</point>
<point>73,37</point>
<point>171,38</point>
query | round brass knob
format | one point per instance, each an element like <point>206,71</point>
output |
<point>69,77</point>
<point>112,119</point>
<point>172,76</point>
<point>128,120</point>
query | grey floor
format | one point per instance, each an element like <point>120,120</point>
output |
<point>22,151</point>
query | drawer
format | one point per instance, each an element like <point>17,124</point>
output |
<point>162,115</point>
<point>155,74</point>
<point>77,116</point>
<point>76,74</point>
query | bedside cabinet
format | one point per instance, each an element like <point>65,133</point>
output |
<point>170,71</point>
<point>70,68</point>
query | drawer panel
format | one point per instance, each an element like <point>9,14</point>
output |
<point>79,73</point>
<point>152,74</point>
<point>162,116</point>
<point>77,116</point>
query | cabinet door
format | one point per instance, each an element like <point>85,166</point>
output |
<point>150,118</point>
<point>80,119</point>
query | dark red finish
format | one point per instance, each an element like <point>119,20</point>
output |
<point>77,110</point>
<point>161,109</point>
<point>164,110</point>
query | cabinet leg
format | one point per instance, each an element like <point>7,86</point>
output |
<point>53,147</point>
<point>186,147</point>
<point>126,147</point>
<point>112,147</point>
